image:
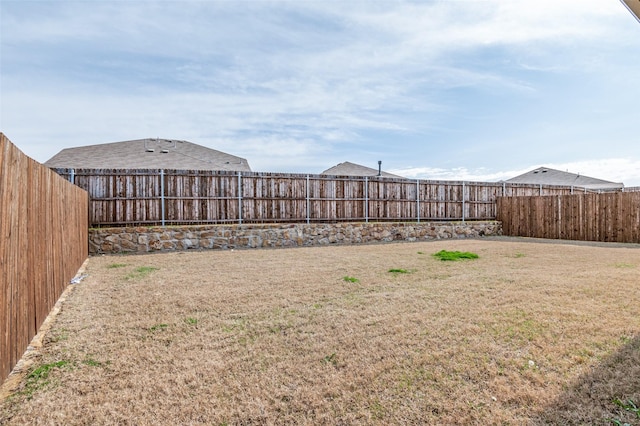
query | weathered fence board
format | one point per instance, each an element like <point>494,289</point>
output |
<point>43,242</point>
<point>607,217</point>
<point>159,197</point>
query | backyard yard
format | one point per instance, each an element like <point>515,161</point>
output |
<point>530,332</point>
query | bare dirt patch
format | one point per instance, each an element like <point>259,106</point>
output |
<point>528,333</point>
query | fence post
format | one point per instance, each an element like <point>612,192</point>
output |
<point>418,199</point>
<point>240,198</point>
<point>162,195</point>
<point>72,176</point>
<point>366,199</point>
<point>308,201</point>
<point>463,202</point>
<point>559,221</point>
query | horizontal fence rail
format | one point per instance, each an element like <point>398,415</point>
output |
<point>607,217</point>
<point>43,243</point>
<point>178,197</point>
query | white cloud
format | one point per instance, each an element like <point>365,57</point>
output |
<point>456,173</point>
<point>622,170</point>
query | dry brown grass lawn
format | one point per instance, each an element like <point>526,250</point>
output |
<point>529,333</point>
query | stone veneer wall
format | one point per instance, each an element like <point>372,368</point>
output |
<point>153,239</point>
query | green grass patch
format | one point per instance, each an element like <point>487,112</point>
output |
<point>377,409</point>
<point>350,279</point>
<point>331,359</point>
<point>237,325</point>
<point>445,255</point>
<point>629,406</point>
<point>141,272</point>
<point>42,372</point>
<point>517,325</point>
<point>39,377</point>
<point>92,362</point>
<point>401,271</point>
<point>158,327</point>
<point>116,265</point>
<point>58,335</point>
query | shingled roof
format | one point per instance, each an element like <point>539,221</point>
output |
<point>352,169</point>
<point>152,153</point>
<point>634,7</point>
<point>548,176</point>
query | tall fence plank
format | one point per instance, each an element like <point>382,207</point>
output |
<point>606,217</point>
<point>43,242</point>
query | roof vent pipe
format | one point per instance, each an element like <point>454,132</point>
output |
<point>379,168</point>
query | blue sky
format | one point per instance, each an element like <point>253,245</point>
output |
<point>460,90</point>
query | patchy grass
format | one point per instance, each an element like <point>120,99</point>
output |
<point>158,327</point>
<point>141,272</point>
<point>116,265</point>
<point>331,359</point>
<point>92,362</point>
<point>42,372</point>
<point>192,321</point>
<point>400,271</point>
<point>38,378</point>
<point>350,279</point>
<point>58,334</point>
<point>628,406</point>
<point>454,255</point>
<point>267,337</point>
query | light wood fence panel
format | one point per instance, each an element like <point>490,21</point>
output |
<point>43,242</point>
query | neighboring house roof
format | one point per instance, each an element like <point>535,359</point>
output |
<point>548,176</point>
<point>634,7</point>
<point>147,154</point>
<point>352,169</point>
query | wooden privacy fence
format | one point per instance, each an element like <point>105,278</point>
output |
<point>609,217</point>
<point>43,243</point>
<point>172,197</point>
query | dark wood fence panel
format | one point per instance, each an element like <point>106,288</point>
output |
<point>163,197</point>
<point>607,217</point>
<point>43,242</point>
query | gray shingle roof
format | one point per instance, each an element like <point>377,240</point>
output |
<point>352,169</point>
<point>147,154</point>
<point>548,176</point>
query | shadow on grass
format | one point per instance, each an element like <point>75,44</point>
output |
<point>592,398</point>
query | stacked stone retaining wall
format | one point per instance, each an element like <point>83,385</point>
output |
<point>172,238</point>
